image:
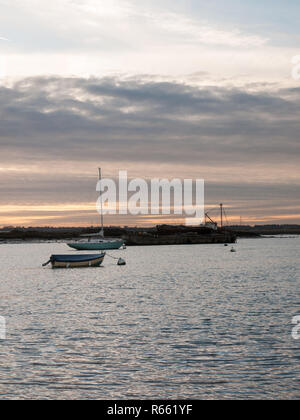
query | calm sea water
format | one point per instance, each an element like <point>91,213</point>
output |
<point>176,322</point>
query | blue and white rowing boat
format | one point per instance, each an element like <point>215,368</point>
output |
<point>75,261</point>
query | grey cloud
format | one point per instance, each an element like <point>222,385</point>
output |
<point>109,119</point>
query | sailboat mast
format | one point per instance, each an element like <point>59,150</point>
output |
<point>101,202</point>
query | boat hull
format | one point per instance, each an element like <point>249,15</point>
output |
<point>61,261</point>
<point>94,246</point>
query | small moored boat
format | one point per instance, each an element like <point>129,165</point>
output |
<point>97,242</point>
<point>75,261</point>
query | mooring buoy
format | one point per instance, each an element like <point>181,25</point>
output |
<point>121,261</point>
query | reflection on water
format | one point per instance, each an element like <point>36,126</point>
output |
<point>176,322</point>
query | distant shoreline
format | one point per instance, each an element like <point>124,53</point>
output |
<point>38,235</point>
<point>60,241</point>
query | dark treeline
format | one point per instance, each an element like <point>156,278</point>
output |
<point>63,233</point>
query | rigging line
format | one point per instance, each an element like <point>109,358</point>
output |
<point>115,258</point>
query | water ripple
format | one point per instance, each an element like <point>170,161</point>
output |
<point>177,322</point>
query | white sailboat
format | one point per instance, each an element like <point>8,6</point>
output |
<point>97,242</point>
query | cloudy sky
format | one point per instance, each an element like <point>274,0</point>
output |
<point>189,89</point>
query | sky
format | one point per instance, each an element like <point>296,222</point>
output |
<point>176,89</point>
